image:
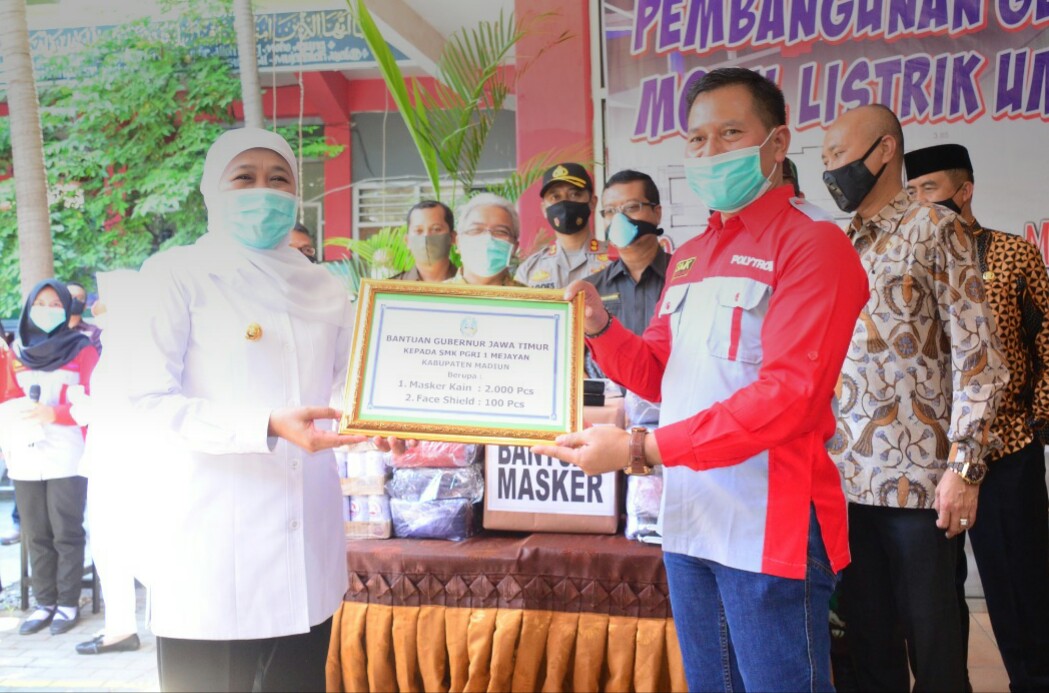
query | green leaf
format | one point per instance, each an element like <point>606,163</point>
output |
<point>414,119</point>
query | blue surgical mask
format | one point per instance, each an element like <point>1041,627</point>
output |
<point>259,218</point>
<point>622,230</point>
<point>47,318</point>
<point>730,181</point>
<point>483,255</point>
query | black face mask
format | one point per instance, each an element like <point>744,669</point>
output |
<point>950,204</point>
<point>568,217</point>
<point>850,184</point>
<point>76,307</point>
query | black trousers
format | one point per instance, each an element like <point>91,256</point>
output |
<point>288,663</point>
<point>53,528</point>
<point>1010,541</point>
<point>900,601</point>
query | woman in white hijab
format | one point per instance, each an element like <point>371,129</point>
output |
<point>246,339</point>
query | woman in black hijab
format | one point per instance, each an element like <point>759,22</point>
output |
<point>50,360</point>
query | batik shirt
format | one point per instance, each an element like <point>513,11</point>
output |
<point>1017,288</point>
<point>924,373</point>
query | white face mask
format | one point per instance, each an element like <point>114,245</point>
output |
<point>47,318</point>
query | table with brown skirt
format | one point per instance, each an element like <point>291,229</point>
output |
<point>504,611</point>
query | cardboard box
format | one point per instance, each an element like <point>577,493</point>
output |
<point>532,493</point>
<point>368,530</point>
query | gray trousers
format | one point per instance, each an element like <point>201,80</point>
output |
<point>53,528</point>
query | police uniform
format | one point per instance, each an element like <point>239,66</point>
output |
<point>554,268</point>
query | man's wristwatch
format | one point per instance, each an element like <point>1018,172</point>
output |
<point>638,465</point>
<point>971,473</point>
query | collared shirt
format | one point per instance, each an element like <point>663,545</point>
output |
<point>257,520</point>
<point>633,303</point>
<point>555,268</point>
<point>413,275</point>
<point>1017,287</point>
<point>744,352</point>
<point>924,372</point>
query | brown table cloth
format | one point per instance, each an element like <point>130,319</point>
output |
<point>505,612</point>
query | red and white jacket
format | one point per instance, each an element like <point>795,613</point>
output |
<point>58,455</point>
<point>744,352</point>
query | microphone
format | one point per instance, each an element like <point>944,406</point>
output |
<point>34,396</point>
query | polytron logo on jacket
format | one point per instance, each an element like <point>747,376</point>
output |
<point>748,261</point>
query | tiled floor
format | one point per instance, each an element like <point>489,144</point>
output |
<point>986,671</point>
<point>43,661</point>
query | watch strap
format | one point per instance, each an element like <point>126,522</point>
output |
<point>638,463</point>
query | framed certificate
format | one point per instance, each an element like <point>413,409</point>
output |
<point>458,362</point>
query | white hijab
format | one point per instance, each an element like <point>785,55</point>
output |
<point>308,291</point>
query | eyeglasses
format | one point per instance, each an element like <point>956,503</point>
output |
<point>628,209</point>
<point>502,233</point>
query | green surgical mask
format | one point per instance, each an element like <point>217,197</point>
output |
<point>730,181</point>
<point>483,255</point>
<point>259,217</point>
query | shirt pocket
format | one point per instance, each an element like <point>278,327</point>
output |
<point>673,306</point>
<point>739,311</point>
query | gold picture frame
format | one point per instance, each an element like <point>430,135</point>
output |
<point>465,363</point>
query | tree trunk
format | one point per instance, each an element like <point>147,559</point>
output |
<point>251,93</point>
<point>35,254</point>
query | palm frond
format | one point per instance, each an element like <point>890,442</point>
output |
<point>532,170</point>
<point>383,254</point>
<point>349,271</point>
<point>415,118</point>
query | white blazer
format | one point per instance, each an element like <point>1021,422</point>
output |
<point>248,540</point>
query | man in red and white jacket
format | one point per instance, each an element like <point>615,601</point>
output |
<point>744,352</point>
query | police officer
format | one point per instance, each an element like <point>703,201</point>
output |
<point>568,203</point>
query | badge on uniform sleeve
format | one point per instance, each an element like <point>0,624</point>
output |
<point>682,267</point>
<point>254,332</point>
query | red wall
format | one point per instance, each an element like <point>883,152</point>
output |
<point>554,104</point>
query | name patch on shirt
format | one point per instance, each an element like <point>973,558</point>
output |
<point>539,275</point>
<point>682,267</point>
<point>748,261</point>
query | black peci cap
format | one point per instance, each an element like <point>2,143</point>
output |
<point>941,157</point>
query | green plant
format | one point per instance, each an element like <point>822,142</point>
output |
<point>450,123</point>
<point>124,145</point>
<point>349,271</point>
<point>384,254</point>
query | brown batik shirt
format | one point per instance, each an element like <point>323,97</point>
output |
<point>1017,286</point>
<point>924,373</point>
